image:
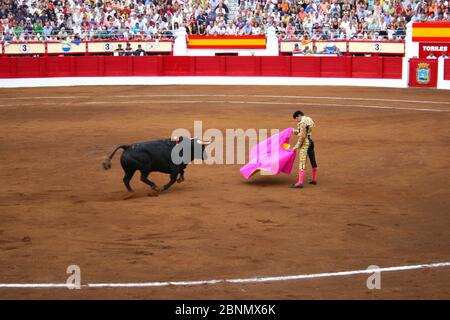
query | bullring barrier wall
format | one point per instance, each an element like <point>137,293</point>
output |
<point>219,70</point>
<point>100,66</point>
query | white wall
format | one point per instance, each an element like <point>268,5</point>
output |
<point>441,83</point>
<point>411,48</point>
<point>270,81</point>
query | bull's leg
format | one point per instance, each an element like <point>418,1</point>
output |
<point>173,179</point>
<point>144,179</point>
<point>181,177</point>
<point>127,178</point>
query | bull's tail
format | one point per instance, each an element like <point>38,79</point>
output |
<point>107,162</point>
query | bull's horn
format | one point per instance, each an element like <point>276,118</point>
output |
<point>203,142</point>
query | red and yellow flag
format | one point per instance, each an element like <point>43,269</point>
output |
<point>228,42</point>
<point>431,31</point>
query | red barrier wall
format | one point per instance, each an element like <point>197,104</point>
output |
<point>447,69</point>
<point>57,67</point>
<point>243,66</point>
<point>365,67</point>
<point>282,66</point>
<point>392,67</point>
<point>210,66</point>
<point>275,66</point>
<point>305,66</point>
<point>336,67</point>
<point>87,66</point>
<point>148,66</point>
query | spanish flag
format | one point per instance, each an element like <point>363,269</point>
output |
<point>228,42</point>
<point>431,32</point>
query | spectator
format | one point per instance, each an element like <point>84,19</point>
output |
<point>307,51</point>
<point>231,29</point>
<point>336,50</point>
<point>128,49</point>
<point>119,51</point>
<point>297,49</point>
<point>211,29</point>
<point>248,29</point>
<point>202,29</point>
<point>139,51</point>
<point>221,30</point>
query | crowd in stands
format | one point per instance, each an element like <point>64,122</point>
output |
<point>62,20</point>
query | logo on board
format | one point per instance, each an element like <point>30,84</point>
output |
<point>423,73</point>
<point>66,46</point>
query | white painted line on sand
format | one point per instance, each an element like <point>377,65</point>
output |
<point>228,96</point>
<point>143,102</point>
<point>225,281</point>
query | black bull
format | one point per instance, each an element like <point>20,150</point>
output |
<point>166,156</point>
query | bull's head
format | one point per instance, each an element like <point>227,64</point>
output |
<point>189,149</point>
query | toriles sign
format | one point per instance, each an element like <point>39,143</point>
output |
<point>426,48</point>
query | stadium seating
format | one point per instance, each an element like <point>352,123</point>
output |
<point>24,20</point>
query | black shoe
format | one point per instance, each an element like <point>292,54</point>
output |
<point>293,186</point>
<point>313,182</point>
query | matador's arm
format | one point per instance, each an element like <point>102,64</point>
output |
<point>301,132</point>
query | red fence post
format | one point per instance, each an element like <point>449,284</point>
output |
<point>73,70</point>
<point>130,65</point>
<point>258,66</point>
<point>348,66</point>
<point>101,66</point>
<point>380,67</point>
<point>447,69</point>
<point>13,67</point>
<point>43,67</point>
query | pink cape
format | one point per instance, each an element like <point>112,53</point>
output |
<point>271,155</point>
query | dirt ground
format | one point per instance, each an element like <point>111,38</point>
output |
<point>383,196</point>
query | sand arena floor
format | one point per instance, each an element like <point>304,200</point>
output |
<point>383,196</point>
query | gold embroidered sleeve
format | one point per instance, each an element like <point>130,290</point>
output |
<point>302,135</point>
